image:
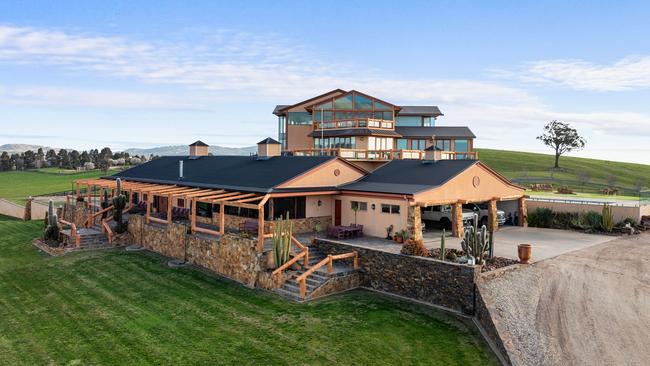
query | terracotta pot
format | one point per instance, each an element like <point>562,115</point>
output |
<point>525,252</point>
<point>399,239</point>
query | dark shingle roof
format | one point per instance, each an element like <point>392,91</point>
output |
<point>269,141</point>
<point>245,173</point>
<point>279,107</point>
<point>199,143</point>
<point>438,131</point>
<point>409,176</point>
<point>420,110</point>
<point>354,132</point>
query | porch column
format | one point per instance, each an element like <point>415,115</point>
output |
<point>149,196</point>
<point>193,215</point>
<point>523,212</point>
<point>414,222</point>
<point>222,218</point>
<point>457,219</point>
<point>78,189</point>
<point>169,209</point>
<point>493,221</point>
<point>260,228</point>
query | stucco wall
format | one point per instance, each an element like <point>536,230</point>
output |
<point>332,173</point>
<point>374,221</point>
<point>9,208</point>
<point>423,279</point>
<point>619,212</point>
<point>313,210</point>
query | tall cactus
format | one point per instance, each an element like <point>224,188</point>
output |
<point>52,230</point>
<point>282,240</point>
<point>119,203</point>
<point>607,221</point>
<point>475,241</point>
<point>105,203</point>
<point>442,246</point>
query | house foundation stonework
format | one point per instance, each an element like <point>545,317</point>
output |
<point>76,212</point>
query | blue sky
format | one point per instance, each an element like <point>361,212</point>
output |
<point>87,74</point>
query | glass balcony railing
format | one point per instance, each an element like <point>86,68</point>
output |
<point>355,123</point>
<point>364,154</point>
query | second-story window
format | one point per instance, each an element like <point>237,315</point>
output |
<point>299,118</point>
<point>444,145</point>
<point>418,144</point>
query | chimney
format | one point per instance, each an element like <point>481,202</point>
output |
<point>180,170</point>
<point>268,148</point>
<point>199,148</point>
<point>432,154</point>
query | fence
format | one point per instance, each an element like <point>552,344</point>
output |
<point>620,210</point>
<point>9,208</point>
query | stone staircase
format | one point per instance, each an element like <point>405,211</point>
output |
<point>291,288</point>
<point>92,238</point>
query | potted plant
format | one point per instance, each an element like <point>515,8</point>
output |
<point>389,230</point>
<point>525,253</point>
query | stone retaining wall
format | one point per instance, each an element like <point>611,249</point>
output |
<point>75,212</point>
<point>424,279</point>
<point>484,318</point>
<point>230,255</point>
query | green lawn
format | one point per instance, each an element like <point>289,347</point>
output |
<point>16,186</point>
<point>117,307</point>
<point>516,164</point>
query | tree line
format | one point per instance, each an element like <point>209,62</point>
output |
<point>69,159</point>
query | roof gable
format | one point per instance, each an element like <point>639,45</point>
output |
<point>308,102</point>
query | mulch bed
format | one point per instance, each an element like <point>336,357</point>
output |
<point>490,264</point>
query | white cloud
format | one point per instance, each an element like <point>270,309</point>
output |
<point>626,74</point>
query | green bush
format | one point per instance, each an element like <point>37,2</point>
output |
<point>592,220</point>
<point>627,220</point>
<point>541,217</point>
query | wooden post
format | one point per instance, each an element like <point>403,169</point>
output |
<point>193,213</point>
<point>169,209</point>
<point>330,265</point>
<point>493,220</point>
<point>303,288</point>
<point>270,213</point>
<point>88,193</point>
<point>356,261</point>
<point>305,263</point>
<point>260,228</point>
<point>78,189</point>
<point>149,195</point>
<point>222,218</point>
<point>457,219</point>
<point>523,212</point>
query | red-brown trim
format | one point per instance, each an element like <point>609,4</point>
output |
<point>311,99</point>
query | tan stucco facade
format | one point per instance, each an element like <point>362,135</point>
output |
<point>332,173</point>
<point>476,184</point>
<point>325,208</point>
<point>374,221</point>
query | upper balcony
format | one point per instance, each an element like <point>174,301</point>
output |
<point>384,155</point>
<point>355,123</point>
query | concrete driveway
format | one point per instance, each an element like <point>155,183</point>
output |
<point>547,243</point>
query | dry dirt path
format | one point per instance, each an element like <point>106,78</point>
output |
<point>588,307</point>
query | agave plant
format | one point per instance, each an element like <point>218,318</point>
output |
<point>282,240</point>
<point>476,241</point>
<point>607,221</point>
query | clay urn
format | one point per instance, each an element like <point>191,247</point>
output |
<point>525,252</point>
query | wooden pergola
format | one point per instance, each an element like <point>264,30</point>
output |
<point>194,195</point>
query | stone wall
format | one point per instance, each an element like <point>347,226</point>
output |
<point>414,222</point>
<point>75,212</point>
<point>230,255</point>
<point>300,226</point>
<point>484,318</point>
<point>424,279</point>
<point>336,285</point>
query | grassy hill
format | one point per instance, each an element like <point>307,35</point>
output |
<point>16,186</point>
<point>537,168</point>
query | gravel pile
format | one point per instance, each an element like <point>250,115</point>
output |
<point>512,299</point>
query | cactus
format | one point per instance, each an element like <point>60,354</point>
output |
<point>119,203</point>
<point>475,241</point>
<point>607,220</point>
<point>282,233</point>
<point>442,246</point>
<point>52,229</point>
<point>105,204</point>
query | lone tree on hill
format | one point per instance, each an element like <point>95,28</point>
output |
<point>562,138</point>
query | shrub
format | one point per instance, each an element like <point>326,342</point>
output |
<point>414,247</point>
<point>607,218</point>
<point>625,221</point>
<point>541,217</point>
<point>592,220</point>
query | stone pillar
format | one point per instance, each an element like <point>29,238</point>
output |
<point>414,222</point>
<point>457,219</point>
<point>523,212</point>
<point>493,222</point>
<point>28,209</point>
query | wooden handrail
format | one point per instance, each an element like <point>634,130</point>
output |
<point>302,279</point>
<point>304,254</point>
<point>73,231</point>
<point>92,216</point>
<point>107,230</point>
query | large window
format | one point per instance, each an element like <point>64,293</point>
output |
<point>335,143</point>
<point>418,144</point>
<point>295,207</point>
<point>402,144</point>
<point>380,143</point>
<point>352,106</point>
<point>409,121</point>
<point>282,132</point>
<point>461,146</point>
<point>299,118</point>
<point>444,145</point>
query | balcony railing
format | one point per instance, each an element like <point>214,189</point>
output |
<point>355,123</point>
<point>364,154</point>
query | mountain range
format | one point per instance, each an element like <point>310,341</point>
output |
<point>160,150</point>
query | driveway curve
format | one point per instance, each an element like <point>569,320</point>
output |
<point>588,307</point>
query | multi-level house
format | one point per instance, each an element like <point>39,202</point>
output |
<point>367,130</point>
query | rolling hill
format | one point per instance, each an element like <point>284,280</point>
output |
<point>183,150</point>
